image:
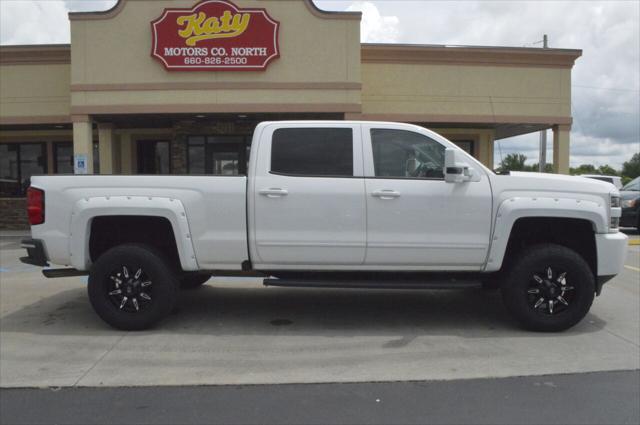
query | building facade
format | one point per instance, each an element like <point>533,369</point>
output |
<point>177,86</point>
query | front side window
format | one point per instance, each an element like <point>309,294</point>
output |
<point>405,154</point>
<point>312,152</point>
<point>18,162</point>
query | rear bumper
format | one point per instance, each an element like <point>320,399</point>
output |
<point>612,252</point>
<point>36,255</point>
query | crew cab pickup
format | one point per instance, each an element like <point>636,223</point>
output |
<point>334,204</point>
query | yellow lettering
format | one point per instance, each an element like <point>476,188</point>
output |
<point>225,20</point>
<point>199,27</point>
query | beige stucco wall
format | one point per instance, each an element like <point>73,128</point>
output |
<point>465,90</point>
<point>312,49</point>
<point>207,99</point>
<point>34,90</point>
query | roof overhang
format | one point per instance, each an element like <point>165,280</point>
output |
<point>469,55</point>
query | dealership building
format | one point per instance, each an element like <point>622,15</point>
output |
<point>177,87</point>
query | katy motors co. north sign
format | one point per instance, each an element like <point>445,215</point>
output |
<point>215,35</point>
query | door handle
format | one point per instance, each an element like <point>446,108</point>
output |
<point>386,194</point>
<point>274,192</point>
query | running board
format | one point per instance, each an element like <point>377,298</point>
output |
<point>373,284</point>
<point>51,273</point>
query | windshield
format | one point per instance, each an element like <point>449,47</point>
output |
<point>633,185</point>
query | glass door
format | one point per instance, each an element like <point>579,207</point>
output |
<point>154,157</point>
<point>217,155</point>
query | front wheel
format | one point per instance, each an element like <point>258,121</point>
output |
<point>132,287</point>
<point>548,288</point>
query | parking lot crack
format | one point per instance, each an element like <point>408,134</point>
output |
<point>622,338</point>
<point>100,359</point>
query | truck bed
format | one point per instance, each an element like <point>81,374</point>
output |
<point>215,207</point>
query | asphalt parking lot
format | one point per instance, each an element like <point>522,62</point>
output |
<point>234,331</point>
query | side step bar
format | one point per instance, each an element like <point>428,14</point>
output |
<point>50,273</point>
<point>374,284</point>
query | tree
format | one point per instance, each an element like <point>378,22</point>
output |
<point>607,170</point>
<point>548,168</point>
<point>584,169</point>
<point>513,162</point>
<point>631,168</point>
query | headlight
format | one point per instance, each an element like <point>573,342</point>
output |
<point>629,203</point>
<point>616,211</point>
<point>615,201</point>
<point>615,223</point>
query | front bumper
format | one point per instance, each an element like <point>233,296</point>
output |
<point>612,252</point>
<point>36,255</point>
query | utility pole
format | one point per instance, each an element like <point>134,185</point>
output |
<point>542,162</point>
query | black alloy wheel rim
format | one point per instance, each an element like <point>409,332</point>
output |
<point>549,292</point>
<point>130,289</point>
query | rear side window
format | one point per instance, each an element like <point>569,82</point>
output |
<point>312,151</point>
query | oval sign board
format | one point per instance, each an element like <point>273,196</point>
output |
<point>215,35</point>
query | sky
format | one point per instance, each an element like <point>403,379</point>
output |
<point>605,80</point>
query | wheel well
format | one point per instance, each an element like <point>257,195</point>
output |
<point>109,231</point>
<point>575,234</point>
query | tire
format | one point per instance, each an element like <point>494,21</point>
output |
<point>548,288</point>
<point>147,284</point>
<point>193,280</point>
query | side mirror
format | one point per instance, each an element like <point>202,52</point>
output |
<point>456,169</point>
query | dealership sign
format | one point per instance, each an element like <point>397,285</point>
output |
<point>215,35</point>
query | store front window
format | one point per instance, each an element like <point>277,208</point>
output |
<point>96,158</point>
<point>466,145</point>
<point>217,155</point>
<point>154,157</point>
<point>63,158</point>
<point>18,162</point>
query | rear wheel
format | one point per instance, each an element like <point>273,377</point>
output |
<point>132,287</point>
<point>548,288</point>
<point>193,280</point>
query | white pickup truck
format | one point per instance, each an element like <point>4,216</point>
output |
<point>334,204</point>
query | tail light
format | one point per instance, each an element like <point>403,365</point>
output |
<point>35,206</point>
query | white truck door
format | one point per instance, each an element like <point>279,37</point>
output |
<point>416,220</point>
<point>307,205</point>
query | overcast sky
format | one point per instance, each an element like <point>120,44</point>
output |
<point>606,79</point>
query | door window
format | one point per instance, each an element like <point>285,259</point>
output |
<point>312,152</point>
<point>405,154</point>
